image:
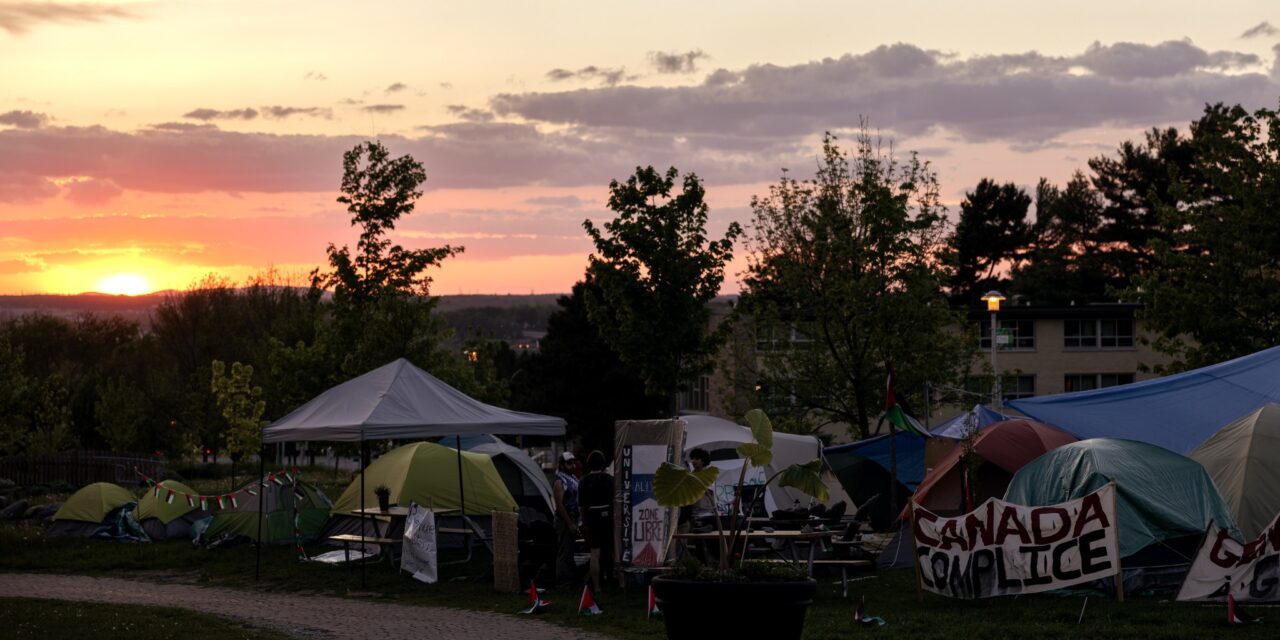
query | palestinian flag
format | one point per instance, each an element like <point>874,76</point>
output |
<point>1236,615</point>
<point>896,414</point>
<point>587,605</point>
<point>653,605</point>
<point>536,603</point>
<point>169,498</point>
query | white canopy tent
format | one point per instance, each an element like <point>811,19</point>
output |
<point>399,401</point>
<point>712,433</point>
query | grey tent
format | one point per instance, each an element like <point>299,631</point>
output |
<point>399,401</point>
<point>526,481</point>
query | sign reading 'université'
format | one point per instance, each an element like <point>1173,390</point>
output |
<point>1002,548</point>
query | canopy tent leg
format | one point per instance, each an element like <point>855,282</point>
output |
<point>462,499</point>
<point>364,464</point>
<point>262,472</point>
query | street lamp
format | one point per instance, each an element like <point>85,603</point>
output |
<point>993,299</point>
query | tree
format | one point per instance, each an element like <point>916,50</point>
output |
<point>656,272</point>
<point>992,234</point>
<point>1065,263</point>
<point>844,277</point>
<point>1216,292</point>
<point>576,376</point>
<point>382,293</point>
<point>242,407</point>
<point>121,409</point>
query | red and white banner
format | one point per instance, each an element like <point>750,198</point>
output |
<point>1003,549</point>
<point>1248,571</point>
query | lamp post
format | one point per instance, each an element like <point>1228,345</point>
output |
<point>993,299</point>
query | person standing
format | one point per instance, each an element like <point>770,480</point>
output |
<point>595,502</point>
<point>567,532</point>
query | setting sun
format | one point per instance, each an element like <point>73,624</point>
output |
<point>125,284</point>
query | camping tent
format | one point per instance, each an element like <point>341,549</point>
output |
<point>1161,496</point>
<point>1243,458</point>
<point>909,451</point>
<point>423,472</point>
<point>276,503</point>
<point>1002,449</point>
<point>524,479</point>
<point>721,438</point>
<point>87,509</point>
<point>979,416</point>
<point>1177,412</point>
<point>162,519</point>
<point>865,480</point>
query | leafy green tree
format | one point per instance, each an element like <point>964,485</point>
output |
<point>1216,292</point>
<point>14,424</point>
<point>655,273</point>
<point>382,304</point>
<point>242,407</point>
<point>1065,264</point>
<point>843,278</point>
<point>122,410</point>
<point>991,236</point>
<point>576,376</point>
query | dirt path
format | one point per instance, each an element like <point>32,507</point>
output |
<point>302,616</point>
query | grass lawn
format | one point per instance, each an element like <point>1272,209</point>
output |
<point>890,595</point>
<point>29,618</point>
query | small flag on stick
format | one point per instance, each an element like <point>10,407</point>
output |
<point>1236,615</point>
<point>536,603</point>
<point>587,605</point>
<point>653,605</point>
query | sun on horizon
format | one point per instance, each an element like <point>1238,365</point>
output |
<point>124,284</point>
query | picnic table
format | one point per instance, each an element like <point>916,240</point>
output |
<point>391,538</point>
<point>791,539</point>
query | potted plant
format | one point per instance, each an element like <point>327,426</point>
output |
<point>735,599</point>
<point>384,497</point>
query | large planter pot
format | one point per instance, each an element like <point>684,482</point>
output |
<point>700,610</point>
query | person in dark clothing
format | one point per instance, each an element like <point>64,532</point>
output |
<point>595,504</point>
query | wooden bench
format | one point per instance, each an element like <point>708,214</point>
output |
<point>347,538</point>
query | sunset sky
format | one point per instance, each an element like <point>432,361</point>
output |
<point>146,144</point>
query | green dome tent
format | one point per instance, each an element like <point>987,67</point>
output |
<point>277,513</point>
<point>1161,496</point>
<point>87,509</point>
<point>164,520</point>
<point>427,473</point>
<point>1243,458</point>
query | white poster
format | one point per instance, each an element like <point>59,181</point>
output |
<point>419,545</point>
<point>726,485</point>
<point>1249,571</point>
<point>646,530</point>
<point>1002,548</point>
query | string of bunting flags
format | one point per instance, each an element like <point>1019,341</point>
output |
<point>289,476</point>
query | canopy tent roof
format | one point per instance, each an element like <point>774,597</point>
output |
<point>1160,495</point>
<point>979,416</point>
<point>710,432</point>
<point>1243,458</point>
<point>1177,412</point>
<point>401,401</point>
<point>1009,445</point>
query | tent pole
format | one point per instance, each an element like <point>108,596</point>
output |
<point>262,471</point>
<point>462,499</point>
<point>364,457</point>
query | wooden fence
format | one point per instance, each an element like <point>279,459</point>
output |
<point>79,468</point>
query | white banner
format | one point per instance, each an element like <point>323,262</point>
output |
<point>646,529</point>
<point>1249,571</point>
<point>1002,548</point>
<point>418,555</point>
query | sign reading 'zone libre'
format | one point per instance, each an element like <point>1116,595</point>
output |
<point>1007,549</point>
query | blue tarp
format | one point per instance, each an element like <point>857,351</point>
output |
<point>1177,412</point>
<point>954,428</point>
<point>910,455</point>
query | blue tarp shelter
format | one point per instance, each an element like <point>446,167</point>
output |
<point>1177,412</point>
<point>954,428</point>
<point>910,455</point>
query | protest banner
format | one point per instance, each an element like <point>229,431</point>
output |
<point>418,548</point>
<point>1002,548</point>
<point>1224,566</point>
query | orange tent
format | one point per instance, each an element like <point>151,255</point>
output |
<point>1001,449</point>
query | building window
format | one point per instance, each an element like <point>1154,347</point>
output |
<point>1112,333</point>
<point>773,338</point>
<point>698,396</point>
<point>1087,381</point>
<point>1017,387</point>
<point>1014,334</point>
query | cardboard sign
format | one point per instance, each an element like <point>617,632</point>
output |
<point>1002,548</point>
<point>1249,571</point>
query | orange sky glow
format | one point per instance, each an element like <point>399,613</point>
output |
<point>147,144</point>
